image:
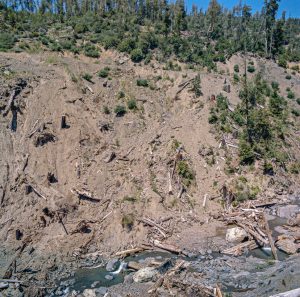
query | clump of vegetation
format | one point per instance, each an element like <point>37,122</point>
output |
<point>104,72</point>
<point>128,221</point>
<point>298,101</point>
<point>88,77</point>
<point>236,78</point>
<point>251,68</point>
<point>172,66</point>
<point>236,68</point>
<point>185,172</point>
<point>120,110</point>
<point>106,109</point>
<point>196,86</point>
<point>131,104</point>
<point>91,51</point>
<point>291,95</point>
<point>130,199</point>
<point>275,86</point>
<point>142,82</point>
<point>7,41</point>
<point>288,77</point>
<point>242,190</point>
<point>137,55</point>
<point>295,168</point>
<point>121,94</point>
<point>296,112</point>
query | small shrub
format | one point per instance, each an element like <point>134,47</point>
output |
<point>131,104</point>
<point>128,221</point>
<point>298,101</point>
<point>106,110</point>
<point>236,78</point>
<point>87,77</point>
<point>295,168</point>
<point>296,112</point>
<point>7,41</point>
<point>137,55</point>
<point>291,95</point>
<point>120,110</point>
<point>142,82</point>
<point>91,51</point>
<point>80,28</point>
<point>104,72</point>
<point>185,172</point>
<point>130,199</point>
<point>121,95</point>
<point>236,68</point>
<point>288,77</point>
<point>251,68</point>
<point>282,61</point>
<point>275,85</point>
<point>212,119</point>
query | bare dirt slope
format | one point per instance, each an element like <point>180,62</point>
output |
<point>124,163</point>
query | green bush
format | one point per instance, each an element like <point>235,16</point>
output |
<point>291,95</point>
<point>212,119</point>
<point>110,42</point>
<point>236,68</point>
<point>131,104</point>
<point>296,112</point>
<point>251,68</point>
<point>288,76</point>
<point>137,55</point>
<point>80,28</point>
<point>120,110</point>
<point>104,72</point>
<point>121,95</point>
<point>246,153</point>
<point>7,41</point>
<point>127,45</point>
<point>87,77</point>
<point>275,85</point>
<point>185,172</point>
<point>282,61</point>
<point>298,101</point>
<point>236,77</point>
<point>142,82</point>
<point>91,51</point>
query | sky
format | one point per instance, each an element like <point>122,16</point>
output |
<point>292,7</point>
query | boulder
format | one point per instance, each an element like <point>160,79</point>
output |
<point>236,235</point>
<point>287,244</point>
<point>89,293</point>
<point>288,211</point>
<point>112,264</point>
<point>101,291</point>
<point>144,275</point>
<point>134,265</point>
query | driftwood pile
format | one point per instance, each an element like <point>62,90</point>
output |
<point>254,222</point>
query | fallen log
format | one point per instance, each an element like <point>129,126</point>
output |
<point>151,223</point>
<point>160,281</point>
<point>253,233</point>
<point>84,195</point>
<point>130,252</point>
<point>273,248</point>
<point>238,249</point>
<point>10,102</point>
<point>168,247</point>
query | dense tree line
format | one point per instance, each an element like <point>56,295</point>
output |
<point>141,26</point>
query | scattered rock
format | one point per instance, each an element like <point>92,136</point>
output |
<point>109,157</point>
<point>134,265</point>
<point>288,211</point>
<point>236,234</point>
<point>109,277</point>
<point>287,244</point>
<point>144,275</point>
<point>112,264</point>
<point>89,293</point>
<point>101,291</point>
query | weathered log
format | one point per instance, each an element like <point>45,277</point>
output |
<point>253,233</point>
<point>236,250</point>
<point>10,102</point>
<point>168,247</point>
<point>269,234</point>
<point>130,252</point>
<point>84,195</point>
<point>63,124</point>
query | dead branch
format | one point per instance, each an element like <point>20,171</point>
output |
<point>10,102</point>
<point>168,247</point>
<point>130,251</point>
<point>84,195</point>
<point>151,223</point>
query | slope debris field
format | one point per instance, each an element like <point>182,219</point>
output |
<point>148,151</point>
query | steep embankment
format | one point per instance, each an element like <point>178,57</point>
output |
<point>85,187</point>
